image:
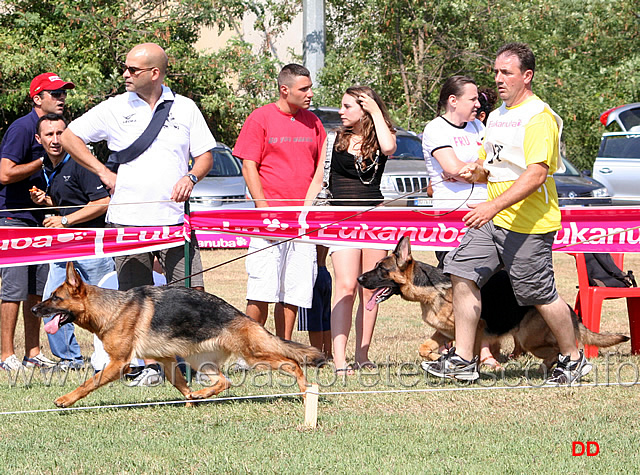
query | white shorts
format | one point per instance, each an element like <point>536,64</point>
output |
<point>283,273</point>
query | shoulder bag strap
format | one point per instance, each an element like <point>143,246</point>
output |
<point>331,139</point>
<point>146,139</point>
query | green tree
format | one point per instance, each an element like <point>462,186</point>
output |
<point>86,40</point>
<point>587,54</point>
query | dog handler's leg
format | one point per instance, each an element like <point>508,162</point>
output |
<point>111,372</point>
<point>466,311</point>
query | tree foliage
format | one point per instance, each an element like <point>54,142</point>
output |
<point>587,54</point>
<point>85,41</point>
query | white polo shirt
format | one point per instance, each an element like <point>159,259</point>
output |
<point>150,177</point>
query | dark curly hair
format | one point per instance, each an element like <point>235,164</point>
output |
<point>487,97</point>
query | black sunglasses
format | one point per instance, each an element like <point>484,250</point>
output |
<point>132,69</point>
<point>58,93</point>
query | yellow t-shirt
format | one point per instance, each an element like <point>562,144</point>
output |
<point>539,212</point>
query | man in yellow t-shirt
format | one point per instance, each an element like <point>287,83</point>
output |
<point>515,228</point>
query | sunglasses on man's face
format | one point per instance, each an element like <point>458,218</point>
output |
<point>58,93</point>
<point>133,70</point>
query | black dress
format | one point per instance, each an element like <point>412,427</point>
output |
<point>346,184</point>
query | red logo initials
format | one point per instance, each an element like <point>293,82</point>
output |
<point>591,448</point>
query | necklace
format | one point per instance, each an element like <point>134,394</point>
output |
<point>293,119</point>
<point>362,167</point>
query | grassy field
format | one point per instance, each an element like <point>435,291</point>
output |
<point>492,426</point>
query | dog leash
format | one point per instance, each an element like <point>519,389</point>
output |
<point>311,231</point>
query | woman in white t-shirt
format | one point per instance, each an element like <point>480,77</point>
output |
<point>451,140</point>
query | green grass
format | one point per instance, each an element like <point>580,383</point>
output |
<point>443,430</point>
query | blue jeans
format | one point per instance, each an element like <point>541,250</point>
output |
<point>63,343</point>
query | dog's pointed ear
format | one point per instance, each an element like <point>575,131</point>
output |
<point>403,252</point>
<point>73,278</point>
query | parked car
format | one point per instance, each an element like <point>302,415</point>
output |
<point>617,166</point>
<point>224,185</point>
<point>574,188</point>
<point>627,117</point>
<point>405,172</point>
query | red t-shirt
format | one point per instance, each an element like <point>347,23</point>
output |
<point>287,149</point>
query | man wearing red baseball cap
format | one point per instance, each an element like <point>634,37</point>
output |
<point>21,158</point>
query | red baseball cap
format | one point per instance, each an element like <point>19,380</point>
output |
<point>48,82</point>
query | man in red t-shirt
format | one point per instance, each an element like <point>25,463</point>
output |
<point>281,146</point>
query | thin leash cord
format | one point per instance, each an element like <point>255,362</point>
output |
<point>596,238</point>
<point>332,393</point>
<point>311,231</point>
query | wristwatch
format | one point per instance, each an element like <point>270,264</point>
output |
<point>64,221</point>
<point>193,178</point>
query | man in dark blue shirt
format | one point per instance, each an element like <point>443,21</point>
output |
<point>82,200</point>
<point>21,158</point>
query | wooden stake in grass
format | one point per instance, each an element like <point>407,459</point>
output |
<point>311,406</point>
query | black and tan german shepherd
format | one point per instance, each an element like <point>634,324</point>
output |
<point>162,322</point>
<point>400,274</point>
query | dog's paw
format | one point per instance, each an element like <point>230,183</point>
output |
<point>63,401</point>
<point>428,353</point>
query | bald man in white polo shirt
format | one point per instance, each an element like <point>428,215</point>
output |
<point>158,181</point>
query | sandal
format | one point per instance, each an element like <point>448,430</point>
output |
<point>347,371</point>
<point>492,363</point>
<point>367,365</point>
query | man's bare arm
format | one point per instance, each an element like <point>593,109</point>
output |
<point>250,174</point>
<point>184,186</point>
<point>527,183</point>
<point>11,172</point>
<point>78,150</point>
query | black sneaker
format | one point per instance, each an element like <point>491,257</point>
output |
<point>452,366</point>
<point>134,372</point>
<point>71,365</point>
<point>567,371</point>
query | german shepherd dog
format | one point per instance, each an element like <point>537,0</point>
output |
<point>415,281</point>
<point>162,322</point>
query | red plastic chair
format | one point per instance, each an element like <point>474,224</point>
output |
<point>589,303</point>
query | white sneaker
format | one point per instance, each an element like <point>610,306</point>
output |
<point>39,361</point>
<point>11,363</point>
<point>148,377</point>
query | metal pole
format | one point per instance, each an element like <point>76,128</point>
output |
<point>187,251</point>
<point>314,37</point>
<point>187,281</point>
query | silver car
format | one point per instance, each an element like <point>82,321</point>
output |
<point>617,165</point>
<point>627,117</point>
<point>224,185</point>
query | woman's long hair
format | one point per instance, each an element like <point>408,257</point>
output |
<point>370,144</point>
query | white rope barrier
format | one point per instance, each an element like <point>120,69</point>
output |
<point>331,393</point>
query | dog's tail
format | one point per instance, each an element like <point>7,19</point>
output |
<point>601,340</point>
<point>303,354</point>
<point>260,345</point>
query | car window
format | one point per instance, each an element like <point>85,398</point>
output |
<point>630,118</point>
<point>224,164</point>
<point>408,147</point>
<point>570,169</point>
<point>620,146</point>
